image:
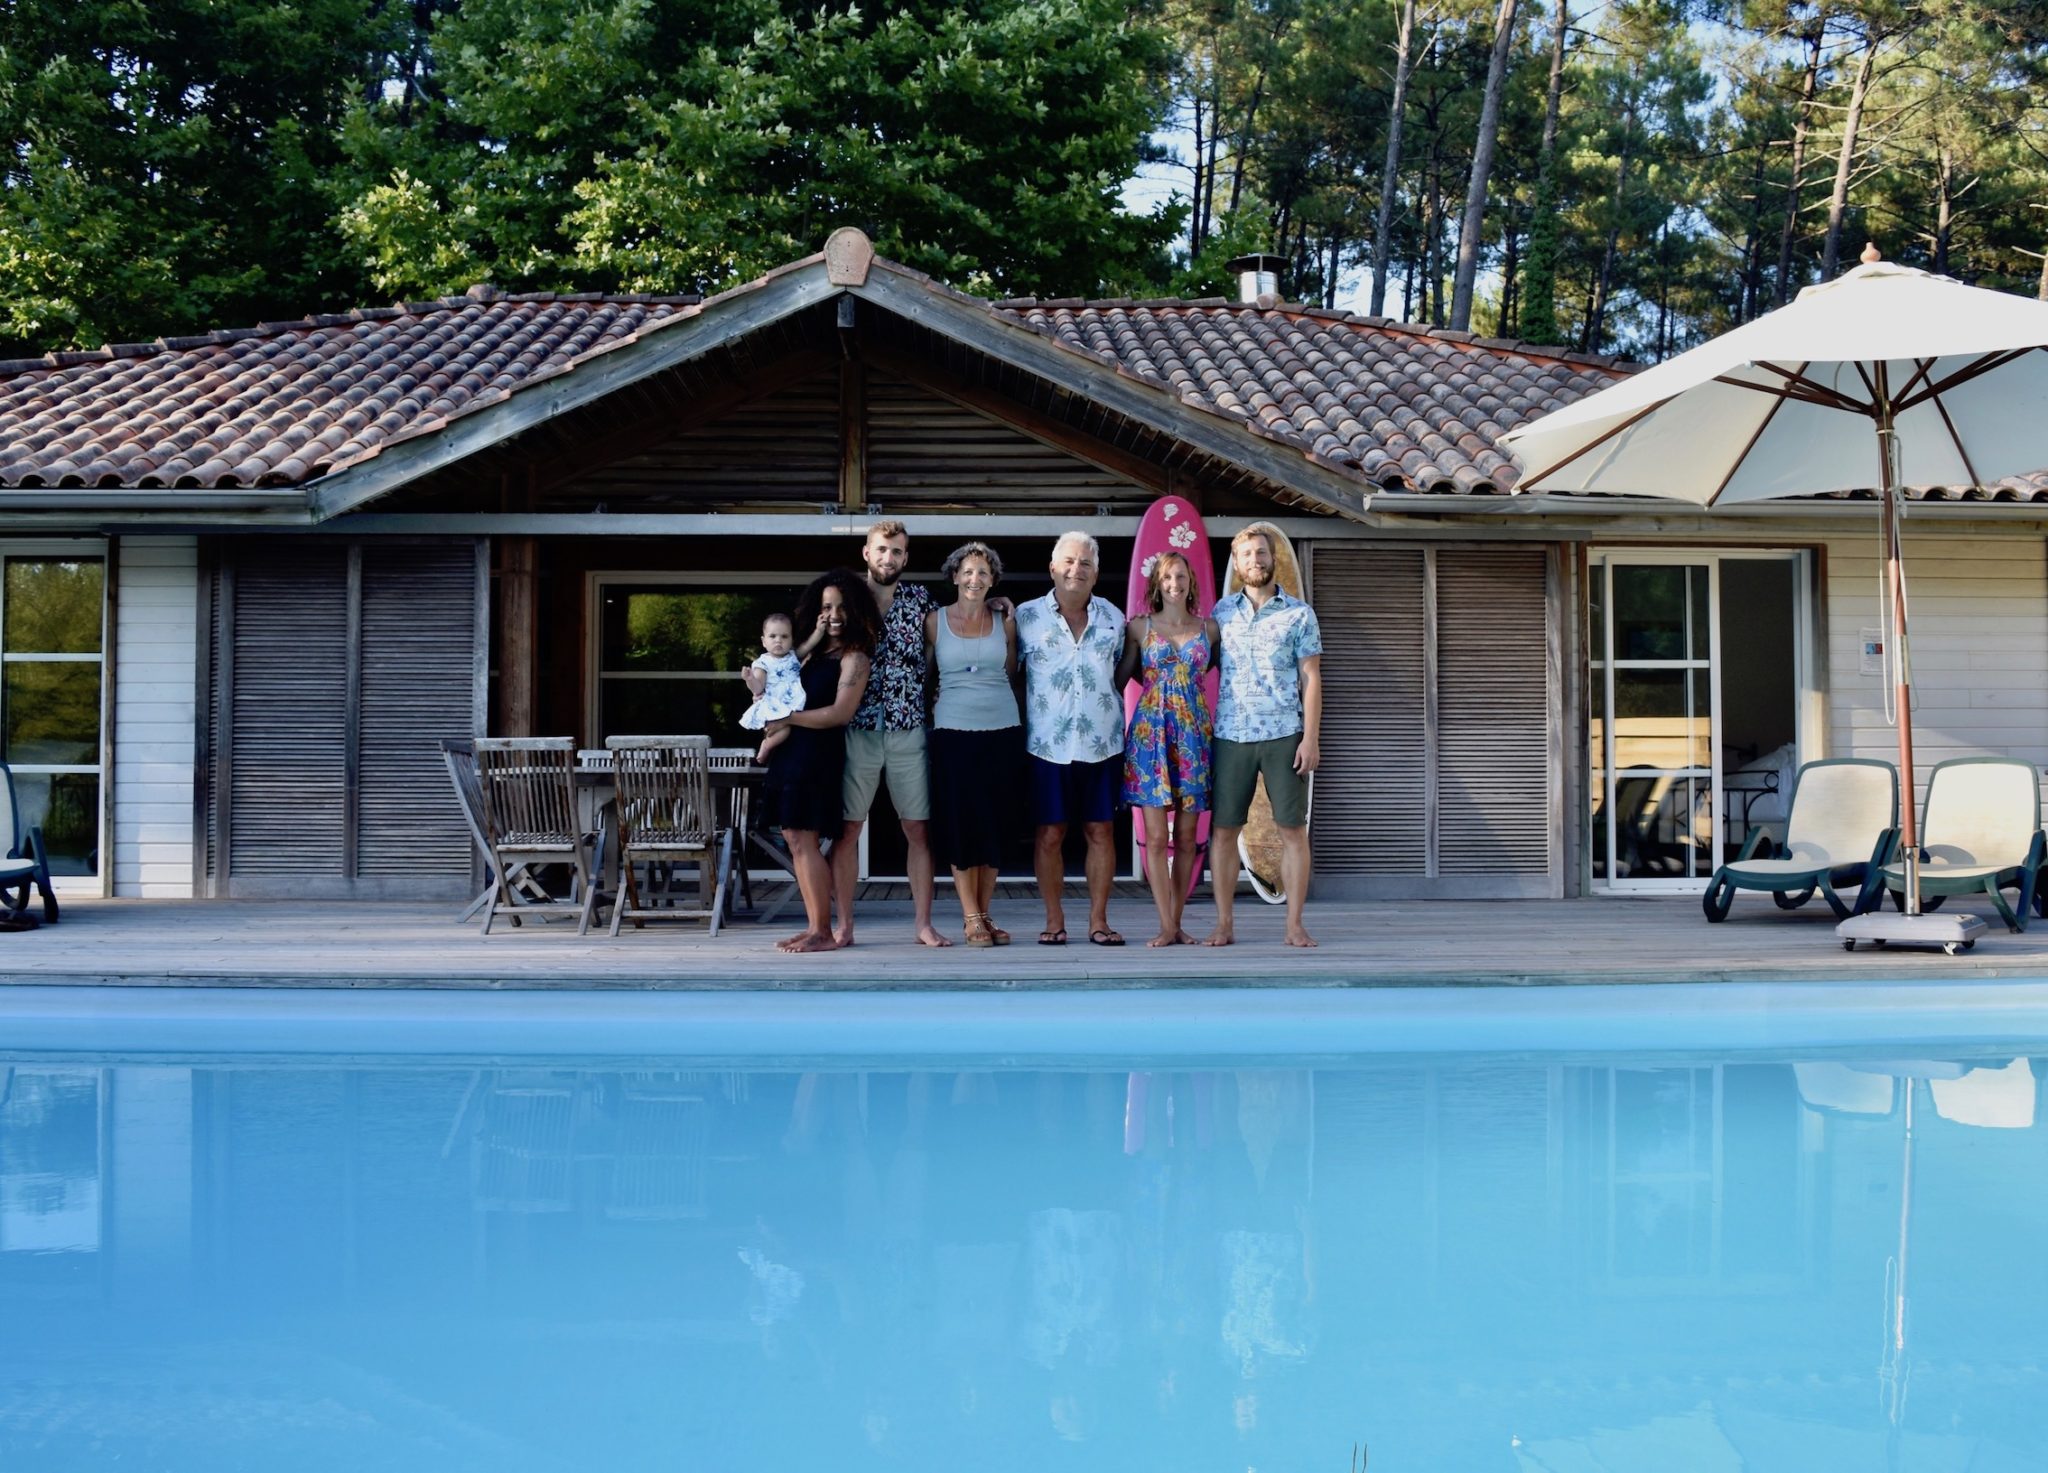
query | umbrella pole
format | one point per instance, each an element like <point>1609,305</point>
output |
<point>1902,662</point>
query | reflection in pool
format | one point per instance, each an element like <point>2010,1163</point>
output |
<point>1585,1260</point>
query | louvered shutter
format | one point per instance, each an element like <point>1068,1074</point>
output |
<point>1493,713</point>
<point>338,670</point>
<point>418,679</point>
<point>1370,803</point>
<point>287,713</point>
<point>1440,772</point>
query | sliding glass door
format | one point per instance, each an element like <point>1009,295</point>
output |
<point>1695,678</point>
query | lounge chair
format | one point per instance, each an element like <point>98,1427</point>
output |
<point>1841,827</point>
<point>25,868</point>
<point>666,819</point>
<point>528,791</point>
<point>1981,835</point>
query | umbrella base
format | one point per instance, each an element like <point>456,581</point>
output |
<point>1952,933</point>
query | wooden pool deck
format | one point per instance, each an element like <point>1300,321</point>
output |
<point>1384,944</point>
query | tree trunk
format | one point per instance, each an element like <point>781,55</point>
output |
<point>1510,259</point>
<point>1806,90</point>
<point>1596,315</point>
<point>1198,225</point>
<point>1838,201</point>
<point>1944,209</point>
<point>1432,239</point>
<point>1753,244</point>
<point>1330,276</point>
<point>1383,226</point>
<point>1537,319</point>
<point>1471,229</point>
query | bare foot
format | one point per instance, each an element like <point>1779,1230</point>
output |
<point>929,936</point>
<point>843,936</point>
<point>808,942</point>
<point>1222,936</point>
<point>792,940</point>
<point>1298,937</point>
<point>1182,938</point>
<point>1165,938</point>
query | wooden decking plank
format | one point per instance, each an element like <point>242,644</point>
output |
<point>1404,943</point>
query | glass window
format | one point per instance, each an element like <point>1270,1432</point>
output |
<point>669,657</point>
<point>52,612</point>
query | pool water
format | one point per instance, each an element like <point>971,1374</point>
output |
<point>1564,1229</point>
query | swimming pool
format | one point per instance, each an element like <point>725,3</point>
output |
<point>1615,1228</point>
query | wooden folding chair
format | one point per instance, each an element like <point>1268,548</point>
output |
<point>666,818</point>
<point>528,791</point>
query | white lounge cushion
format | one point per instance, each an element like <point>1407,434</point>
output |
<point>1838,811</point>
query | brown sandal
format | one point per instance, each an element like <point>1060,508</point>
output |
<point>979,932</point>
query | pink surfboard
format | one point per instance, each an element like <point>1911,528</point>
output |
<point>1171,524</point>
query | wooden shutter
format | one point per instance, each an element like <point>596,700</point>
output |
<point>1493,713</point>
<point>1370,801</point>
<point>338,669</point>
<point>418,685</point>
<point>1440,770</point>
<point>287,713</point>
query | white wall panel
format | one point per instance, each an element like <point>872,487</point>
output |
<point>155,672</point>
<point>1979,619</point>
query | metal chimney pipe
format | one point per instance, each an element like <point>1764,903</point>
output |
<point>1257,276</point>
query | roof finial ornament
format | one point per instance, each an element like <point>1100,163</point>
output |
<point>848,254</point>
<point>1871,254</point>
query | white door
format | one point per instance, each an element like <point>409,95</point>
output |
<point>1697,669</point>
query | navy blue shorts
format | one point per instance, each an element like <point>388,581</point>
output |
<point>1075,792</point>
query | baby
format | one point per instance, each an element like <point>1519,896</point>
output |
<point>781,688</point>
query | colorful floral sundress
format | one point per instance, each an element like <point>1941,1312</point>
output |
<point>1166,750</point>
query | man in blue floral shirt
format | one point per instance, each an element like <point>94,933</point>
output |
<point>1269,717</point>
<point>1074,730</point>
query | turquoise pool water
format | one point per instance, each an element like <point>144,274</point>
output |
<point>1554,1229</point>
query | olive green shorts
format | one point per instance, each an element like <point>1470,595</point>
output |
<point>1235,768</point>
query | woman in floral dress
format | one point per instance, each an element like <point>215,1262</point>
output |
<point>1166,749</point>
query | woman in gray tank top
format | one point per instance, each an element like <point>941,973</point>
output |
<point>977,738</point>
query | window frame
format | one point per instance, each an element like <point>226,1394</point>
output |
<point>74,549</point>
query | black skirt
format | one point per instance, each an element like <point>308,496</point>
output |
<point>975,780</point>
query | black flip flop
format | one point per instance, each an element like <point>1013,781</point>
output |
<point>1104,938</point>
<point>1053,938</point>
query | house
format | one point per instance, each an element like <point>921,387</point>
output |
<point>252,576</point>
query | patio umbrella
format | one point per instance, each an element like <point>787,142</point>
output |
<point>1885,376</point>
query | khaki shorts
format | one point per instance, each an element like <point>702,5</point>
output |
<point>900,754</point>
<point>1235,769</point>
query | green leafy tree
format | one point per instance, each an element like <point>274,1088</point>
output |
<point>166,161</point>
<point>652,145</point>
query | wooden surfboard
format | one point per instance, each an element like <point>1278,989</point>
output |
<point>1259,844</point>
<point>1171,524</point>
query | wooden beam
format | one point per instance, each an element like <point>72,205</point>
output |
<point>518,633</point>
<point>853,436</point>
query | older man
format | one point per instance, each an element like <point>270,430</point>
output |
<point>1269,718</point>
<point>1074,730</point>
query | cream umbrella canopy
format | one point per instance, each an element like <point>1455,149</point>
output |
<point>1885,376</point>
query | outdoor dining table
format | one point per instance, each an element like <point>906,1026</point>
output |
<point>737,777</point>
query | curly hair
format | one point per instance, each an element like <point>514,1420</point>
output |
<point>966,550</point>
<point>1155,595</point>
<point>863,619</point>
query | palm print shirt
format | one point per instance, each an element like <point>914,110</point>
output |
<point>1073,711</point>
<point>895,695</point>
<point>1259,698</point>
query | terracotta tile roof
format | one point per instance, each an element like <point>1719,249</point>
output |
<point>1395,406</point>
<point>286,402</point>
<point>1404,408</point>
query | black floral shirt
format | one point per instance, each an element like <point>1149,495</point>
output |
<point>895,695</point>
